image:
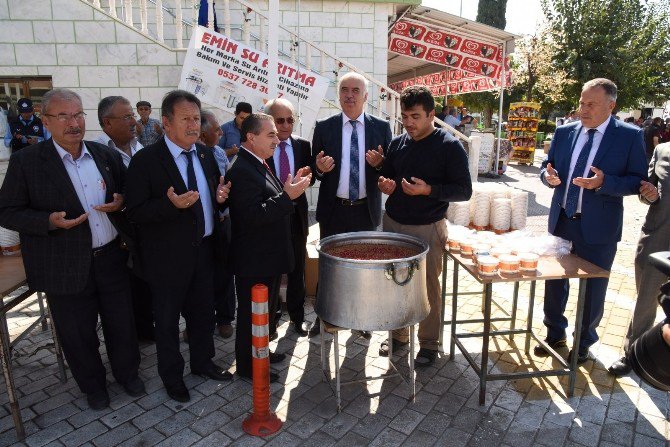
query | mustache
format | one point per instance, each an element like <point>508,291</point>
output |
<point>73,130</point>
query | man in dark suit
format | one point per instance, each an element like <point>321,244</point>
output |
<point>591,164</point>
<point>292,153</point>
<point>64,197</point>
<point>174,189</point>
<point>260,213</point>
<point>349,150</point>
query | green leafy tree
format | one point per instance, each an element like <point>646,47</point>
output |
<point>536,76</point>
<point>492,12</point>
<point>627,41</point>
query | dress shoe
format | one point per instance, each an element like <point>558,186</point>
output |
<point>582,356</point>
<point>274,377</point>
<point>553,343</point>
<point>301,328</point>
<point>178,392</point>
<point>134,387</point>
<point>365,334</point>
<point>276,357</point>
<point>621,367</point>
<point>98,400</point>
<point>316,328</point>
<point>215,373</point>
<point>384,348</point>
<point>225,330</point>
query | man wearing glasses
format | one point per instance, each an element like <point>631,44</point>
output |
<point>117,121</point>
<point>64,197</point>
<point>292,154</point>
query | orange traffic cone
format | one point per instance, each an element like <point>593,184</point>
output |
<point>262,422</point>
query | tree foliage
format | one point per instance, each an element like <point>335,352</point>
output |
<point>535,74</point>
<point>627,41</point>
<point>492,12</point>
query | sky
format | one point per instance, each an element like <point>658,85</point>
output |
<point>523,16</point>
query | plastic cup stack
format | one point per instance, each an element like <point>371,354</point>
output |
<point>519,209</point>
<point>461,212</point>
<point>482,209</point>
<point>501,214</point>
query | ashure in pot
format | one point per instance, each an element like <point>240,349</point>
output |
<point>372,294</point>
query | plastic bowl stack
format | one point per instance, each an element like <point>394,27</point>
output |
<point>481,209</point>
<point>501,215</point>
<point>519,209</point>
<point>461,213</point>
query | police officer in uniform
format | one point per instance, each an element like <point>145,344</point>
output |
<point>26,129</point>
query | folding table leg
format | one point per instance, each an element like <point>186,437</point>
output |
<point>485,343</point>
<point>9,379</point>
<point>515,301</point>
<point>454,311</point>
<point>445,262</point>
<point>529,321</point>
<point>578,333</point>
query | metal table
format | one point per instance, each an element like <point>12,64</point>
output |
<point>12,278</point>
<point>566,267</point>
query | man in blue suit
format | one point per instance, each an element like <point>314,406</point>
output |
<point>592,164</point>
<point>349,149</point>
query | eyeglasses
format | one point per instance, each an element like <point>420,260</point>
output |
<point>65,117</point>
<point>125,118</point>
<point>289,120</point>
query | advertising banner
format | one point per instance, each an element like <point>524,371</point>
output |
<point>459,82</point>
<point>414,39</point>
<point>222,72</point>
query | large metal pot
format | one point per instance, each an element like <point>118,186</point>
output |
<point>372,295</point>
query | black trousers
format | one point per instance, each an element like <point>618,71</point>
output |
<point>346,219</point>
<point>142,307</point>
<point>107,294</point>
<point>194,298</point>
<point>295,287</point>
<point>224,289</point>
<point>243,285</point>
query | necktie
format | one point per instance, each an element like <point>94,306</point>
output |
<point>284,166</point>
<point>193,186</point>
<point>573,190</point>
<point>353,162</point>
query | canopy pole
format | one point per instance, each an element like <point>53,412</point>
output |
<point>500,108</point>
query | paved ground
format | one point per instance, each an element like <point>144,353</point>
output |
<point>604,411</point>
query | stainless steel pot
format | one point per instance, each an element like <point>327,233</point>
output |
<point>372,295</point>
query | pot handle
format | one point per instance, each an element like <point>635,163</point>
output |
<point>412,267</point>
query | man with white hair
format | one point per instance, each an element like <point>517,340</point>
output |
<point>349,150</point>
<point>291,154</point>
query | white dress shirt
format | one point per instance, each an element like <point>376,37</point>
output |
<point>291,158</point>
<point>91,191</point>
<point>135,146</point>
<point>347,129</point>
<point>581,141</point>
<point>181,160</point>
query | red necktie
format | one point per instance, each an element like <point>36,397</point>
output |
<point>284,166</point>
